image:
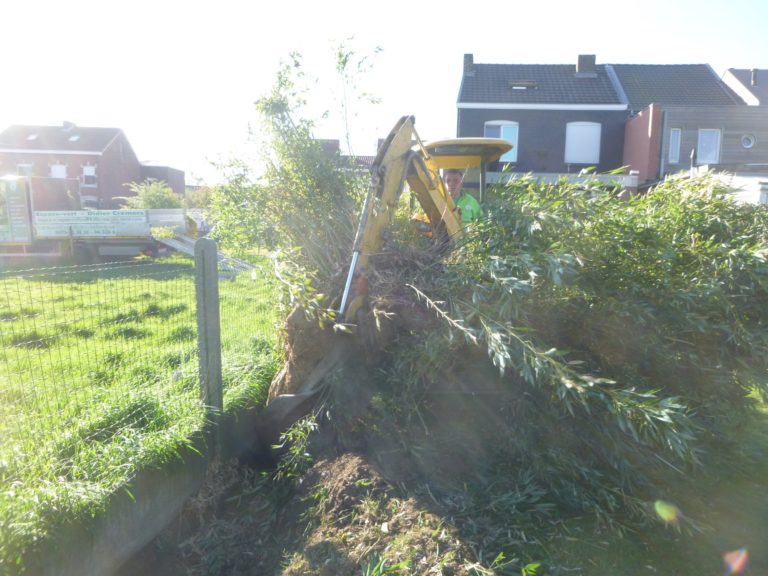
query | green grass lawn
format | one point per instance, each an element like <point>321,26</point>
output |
<point>99,378</point>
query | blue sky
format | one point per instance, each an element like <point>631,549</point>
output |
<point>180,78</point>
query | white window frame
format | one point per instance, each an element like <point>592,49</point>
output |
<point>510,156</point>
<point>675,138</point>
<point>88,170</point>
<point>580,135</point>
<point>708,158</point>
<point>58,170</point>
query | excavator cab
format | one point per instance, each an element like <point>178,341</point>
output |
<point>466,153</point>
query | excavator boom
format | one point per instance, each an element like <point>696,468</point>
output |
<point>402,158</point>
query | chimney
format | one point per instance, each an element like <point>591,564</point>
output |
<point>67,126</point>
<point>753,80</point>
<point>469,65</point>
<point>585,66</point>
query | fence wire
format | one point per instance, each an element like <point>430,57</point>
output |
<point>93,360</point>
<point>99,367</point>
<point>248,311</point>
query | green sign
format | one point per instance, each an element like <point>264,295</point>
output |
<point>15,226</point>
<point>91,224</point>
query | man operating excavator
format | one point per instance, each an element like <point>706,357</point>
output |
<point>468,206</point>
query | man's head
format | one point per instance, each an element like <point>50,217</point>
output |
<point>453,180</point>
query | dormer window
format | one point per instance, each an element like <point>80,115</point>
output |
<point>523,84</point>
<point>32,137</point>
<point>74,138</point>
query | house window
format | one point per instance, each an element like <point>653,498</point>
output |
<point>89,201</point>
<point>674,145</point>
<point>24,169</point>
<point>88,179</point>
<point>708,147</point>
<point>582,143</point>
<point>506,130</point>
<point>58,170</point>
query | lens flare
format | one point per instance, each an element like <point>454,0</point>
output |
<point>667,512</point>
<point>736,561</point>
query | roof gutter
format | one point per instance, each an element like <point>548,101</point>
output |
<point>508,106</point>
<point>30,151</point>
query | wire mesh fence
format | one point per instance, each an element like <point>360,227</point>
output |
<point>248,317</point>
<point>95,362</point>
<point>99,369</point>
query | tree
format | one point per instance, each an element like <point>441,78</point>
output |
<point>199,197</point>
<point>152,194</point>
<point>306,198</point>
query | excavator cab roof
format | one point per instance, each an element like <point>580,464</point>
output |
<point>463,153</point>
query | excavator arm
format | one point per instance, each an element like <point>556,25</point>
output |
<point>401,159</point>
<point>404,158</point>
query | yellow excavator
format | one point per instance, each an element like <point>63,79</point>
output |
<point>404,158</point>
<point>401,159</point>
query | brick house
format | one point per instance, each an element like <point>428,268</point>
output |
<point>100,161</point>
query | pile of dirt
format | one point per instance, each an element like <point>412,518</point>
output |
<point>384,492</point>
<point>344,519</point>
<point>380,494</point>
<point>356,520</point>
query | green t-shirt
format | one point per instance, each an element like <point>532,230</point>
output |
<point>470,208</point>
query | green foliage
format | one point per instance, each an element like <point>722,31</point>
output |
<point>637,328</point>
<point>200,197</point>
<point>152,194</point>
<point>296,460</point>
<point>306,199</point>
<point>350,69</point>
<point>240,209</point>
<point>163,232</point>
<point>378,566</point>
<point>672,284</point>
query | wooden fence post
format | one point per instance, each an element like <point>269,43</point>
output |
<point>209,333</point>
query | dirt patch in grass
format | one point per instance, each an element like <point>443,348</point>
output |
<point>386,494</point>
